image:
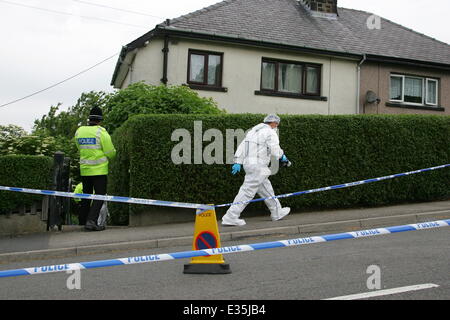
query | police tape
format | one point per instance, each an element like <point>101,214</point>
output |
<point>109,198</point>
<point>204,206</point>
<point>223,250</point>
<point>339,186</point>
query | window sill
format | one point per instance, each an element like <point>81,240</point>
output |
<point>290,95</point>
<point>207,88</point>
<point>411,106</point>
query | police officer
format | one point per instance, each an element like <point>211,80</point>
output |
<point>96,149</point>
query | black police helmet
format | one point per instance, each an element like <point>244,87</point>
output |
<point>96,114</point>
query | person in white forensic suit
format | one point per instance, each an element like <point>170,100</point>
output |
<point>254,154</point>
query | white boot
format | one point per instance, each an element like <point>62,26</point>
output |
<point>227,221</point>
<point>281,214</point>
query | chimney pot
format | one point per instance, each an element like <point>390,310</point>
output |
<point>321,8</point>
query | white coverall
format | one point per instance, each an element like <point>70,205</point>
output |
<point>255,151</point>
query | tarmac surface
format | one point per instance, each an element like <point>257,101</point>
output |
<point>75,241</point>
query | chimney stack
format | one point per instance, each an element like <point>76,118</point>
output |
<point>321,8</point>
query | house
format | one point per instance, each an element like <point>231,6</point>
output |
<point>293,57</point>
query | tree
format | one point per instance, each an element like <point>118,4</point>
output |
<point>14,140</point>
<point>67,122</point>
<point>9,135</point>
<point>117,107</point>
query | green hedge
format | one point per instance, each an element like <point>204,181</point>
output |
<point>23,171</point>
<point>325,150</point>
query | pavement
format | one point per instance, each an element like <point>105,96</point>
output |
<point>75,241</point>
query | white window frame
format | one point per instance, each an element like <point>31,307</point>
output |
<point>437,91</point>
<point>424,90</point>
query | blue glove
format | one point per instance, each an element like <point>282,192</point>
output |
<point>284,162</point>
<point>236,168</point>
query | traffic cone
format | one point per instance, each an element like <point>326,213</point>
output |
<point>206,236</point>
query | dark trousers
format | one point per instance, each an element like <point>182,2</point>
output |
<point>91,209</point>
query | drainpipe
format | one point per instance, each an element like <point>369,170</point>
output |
<point>165,51</point>
<point>358,94</point>
<point>131,66</point>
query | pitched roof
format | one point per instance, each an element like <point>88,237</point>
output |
<point>288,23</point>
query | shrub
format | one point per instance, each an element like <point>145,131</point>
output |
<point>324,150</point>
<point>26,172</point>
<point>141,98</point>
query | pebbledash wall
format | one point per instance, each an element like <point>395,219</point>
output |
<point>242,76</point>
<point>376,77</point>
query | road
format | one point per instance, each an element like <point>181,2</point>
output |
<point>310,272</point>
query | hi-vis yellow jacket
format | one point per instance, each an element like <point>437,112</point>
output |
<point>96,149</point>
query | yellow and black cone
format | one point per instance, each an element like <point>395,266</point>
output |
<point>206,236</point>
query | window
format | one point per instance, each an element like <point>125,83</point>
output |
<point>432,92</point>
<point>396,88</point>
<point>268,76</point>
<point>414,90</point>
<point>205,68</point>
<point>312,80</point>
<point>287,77</point>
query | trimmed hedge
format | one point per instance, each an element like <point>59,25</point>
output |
<point>324,150</point>
<point>33,172</point>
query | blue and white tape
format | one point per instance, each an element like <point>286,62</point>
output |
<point>204,206</point>
<point>339,186</point>
<point>108,198</point>
<point>223,250</point>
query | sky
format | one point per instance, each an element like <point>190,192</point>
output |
<point>44,42</point>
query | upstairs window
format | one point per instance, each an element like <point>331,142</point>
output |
<point>414,90</point>
<point>288,77</point>
<point>205,68</point>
